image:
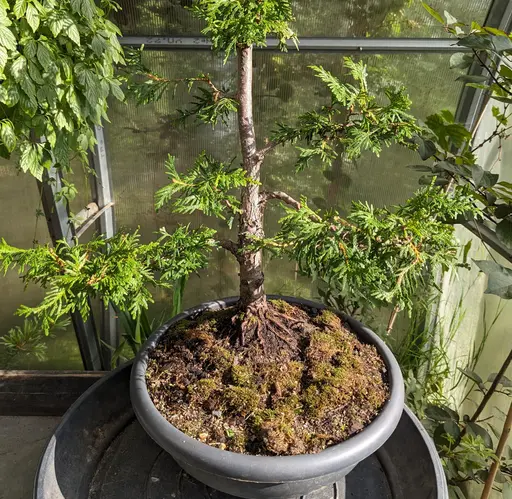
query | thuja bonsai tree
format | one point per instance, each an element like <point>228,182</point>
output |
<point>276,365</point>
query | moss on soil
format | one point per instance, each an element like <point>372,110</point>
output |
<point>244,400</point>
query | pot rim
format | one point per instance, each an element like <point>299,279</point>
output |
<point>267,469</point>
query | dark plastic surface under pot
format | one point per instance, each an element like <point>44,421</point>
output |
<point>258,477</point>
<point>100,451</point>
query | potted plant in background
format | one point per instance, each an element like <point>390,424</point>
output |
<point>310,391</point>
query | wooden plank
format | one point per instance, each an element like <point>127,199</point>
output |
<point>42,393</point>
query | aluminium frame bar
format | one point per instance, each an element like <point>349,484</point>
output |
<point>61,228</point>
<point>102,193</point>
<point>307,44</point>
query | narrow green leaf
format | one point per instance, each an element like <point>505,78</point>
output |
<point>433,13</point>
<point>473,78</point>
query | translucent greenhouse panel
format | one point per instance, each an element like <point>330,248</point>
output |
<point>476,326</point>
<point>332,18</point>
<point>140,138</point>
<point>20,226</point>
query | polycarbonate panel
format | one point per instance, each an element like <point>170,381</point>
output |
<point>140,138</point>
<point>323,18</point>
<point>20,226</point>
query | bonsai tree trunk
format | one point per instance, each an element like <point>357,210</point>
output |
<point>252,293</point>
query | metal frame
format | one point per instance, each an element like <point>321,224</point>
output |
<point>103,196</point>
<point>60,228</point>
<point>306,44</point>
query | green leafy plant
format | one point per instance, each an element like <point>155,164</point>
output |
<point>57,70</point>
<point>29,339</point>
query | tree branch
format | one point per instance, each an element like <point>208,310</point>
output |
<point>266,195</point>
<point>268,147</point>
<point>230,246</point>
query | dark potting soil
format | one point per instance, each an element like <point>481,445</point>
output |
<point>318,392</point>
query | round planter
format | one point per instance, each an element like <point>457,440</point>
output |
<point>255,477</point>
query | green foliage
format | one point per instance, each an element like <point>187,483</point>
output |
<point>29,339</point>
<point>118,270</point>
<point>453,146</point>
<point>210,104</point>
<point>206,187</point>
<point>57,70</point>
<point>383,253</point>
<point>142,84</point>
<point>234,23</point>
<point>354,122</point>
<point>499,278</point>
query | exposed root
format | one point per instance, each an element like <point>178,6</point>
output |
<point>274,330</point>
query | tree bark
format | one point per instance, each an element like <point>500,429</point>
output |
<point>252,293</point>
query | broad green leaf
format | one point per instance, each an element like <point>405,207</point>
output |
<point>84,7</point>
<point>504,232</point>
<point>73,33</point>
<point>437,413</point>
<point>35,74</point>
<point>8,135</point>
<point>30,160</point>
<point>116,90</point>
<point>30,49</point>
<point>503,210</point>
<point>7,39</point>
<point>477,430</point>
<point>433,12</point>
<point>19,68</point>
<point>98,45</point>
<point>426,148</point>
<point>421,168</point>
<point>505,71</point>
<point>19,9</point>
<point>460,60</point>
<point>32,16</point>
<point>499,278</point>
<point>501,44</point>
<point>44,56</point>
<point>475,41</point>
<point>3,58</point>
<point>483,178</point>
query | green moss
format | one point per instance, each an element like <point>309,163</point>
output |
<point>217,357</point>
<point>242,375</point>
<point>202,390</point>
<point>329,319</point>
<point>241,400</point>
<point>283,307</point>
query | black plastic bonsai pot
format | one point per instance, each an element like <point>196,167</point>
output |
<point>255,477</point>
